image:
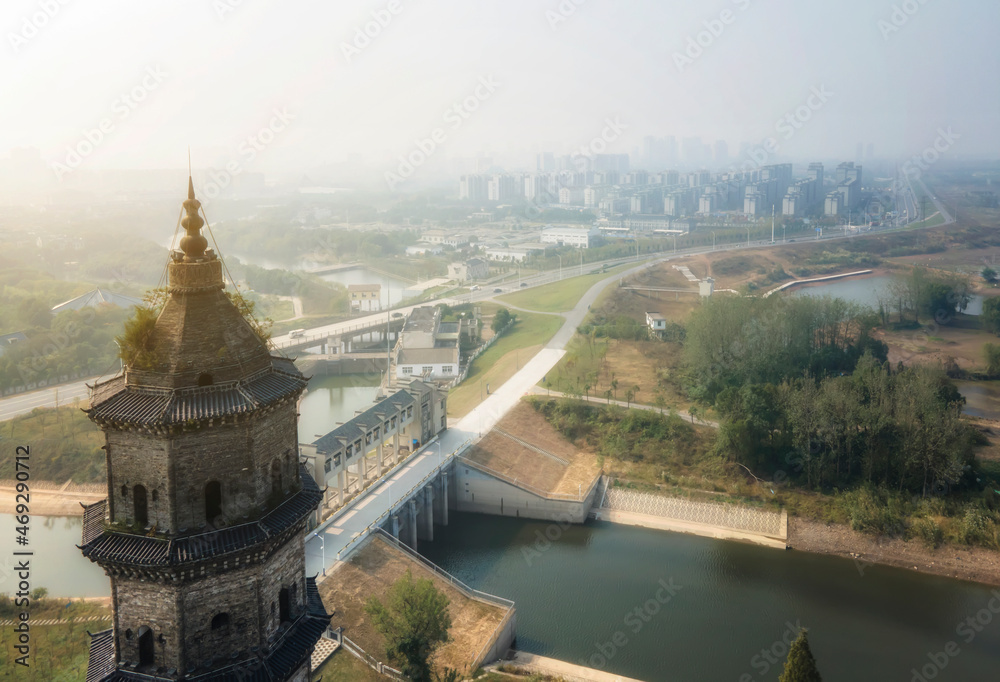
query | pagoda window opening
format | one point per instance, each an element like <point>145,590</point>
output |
<point>220,621</point>
<point>140,506</point>
<point>146,649</point>
<point>276,482</point>
<point>213,500</point>
<point>284,605</point>
<point>205,379</point>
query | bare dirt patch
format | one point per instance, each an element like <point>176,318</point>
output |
<point>966,563</point>
<point>532,468</point>
<point>962,341</point>
<point>371,571</point>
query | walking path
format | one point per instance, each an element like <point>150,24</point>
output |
<point>538,390</point>
<point>58,621</point>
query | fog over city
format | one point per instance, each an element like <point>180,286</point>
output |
<point>347,88</point>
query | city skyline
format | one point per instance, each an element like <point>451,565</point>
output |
<point>735,72</point>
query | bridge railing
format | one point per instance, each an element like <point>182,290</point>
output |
<point>377,523</point>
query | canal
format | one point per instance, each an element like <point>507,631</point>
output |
<point>577,596</point>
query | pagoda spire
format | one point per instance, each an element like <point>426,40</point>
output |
<point>193,244</point>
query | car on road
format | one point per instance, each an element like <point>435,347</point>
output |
<point>397,314</point>
<point>296,333</point>
<point>474,287</point>
<point>524,284</point>
<point>498,290</point>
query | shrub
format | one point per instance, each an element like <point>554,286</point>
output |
<point>874,511</point>
<point>928,531</point>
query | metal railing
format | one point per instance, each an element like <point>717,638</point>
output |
<point>370,660</point>
<point>469,592</point>
<point>377,523</point>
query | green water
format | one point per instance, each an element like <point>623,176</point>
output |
<point>576,597</point>
<point>332,400</point>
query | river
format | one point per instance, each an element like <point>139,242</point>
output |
<point>576,596</point>
<point>332,400</point>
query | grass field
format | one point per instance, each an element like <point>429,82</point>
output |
<point>559,297</point>
<point>502,360</point>
<point>343,667</point>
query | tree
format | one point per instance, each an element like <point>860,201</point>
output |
<point>991,354</point>
<point>629,395</point>
<point>414,621</point>
<point>990,317</point>
<point>501,319</point>
<point>800,666</point>
<point>989,274</point>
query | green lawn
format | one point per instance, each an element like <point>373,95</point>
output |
<point>502,360</point>
<point>559,297</point>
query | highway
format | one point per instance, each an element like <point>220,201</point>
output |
<point>61,394</point>
<point>20,404</point>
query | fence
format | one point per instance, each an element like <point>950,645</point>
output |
<point>479,351</point>
<point>370,660</point>
<point>467,591</point>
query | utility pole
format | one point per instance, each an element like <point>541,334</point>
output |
<point>772,224</point>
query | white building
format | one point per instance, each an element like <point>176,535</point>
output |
<point>656,322</point>
<point>428,348</point>
<point>580,237</point>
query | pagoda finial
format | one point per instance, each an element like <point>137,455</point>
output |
<point>193,244</point>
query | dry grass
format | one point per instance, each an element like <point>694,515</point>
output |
<point>532,468</point>
<point>962,340</point>
<point>371,571</point>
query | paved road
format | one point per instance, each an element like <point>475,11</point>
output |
<point>338,534</point>
<point>63,394</point>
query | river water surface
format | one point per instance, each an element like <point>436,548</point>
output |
<point>576,595</point>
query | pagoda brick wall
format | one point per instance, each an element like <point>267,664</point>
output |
<point>249,595</point>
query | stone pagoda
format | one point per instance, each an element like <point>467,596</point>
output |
<point>203,530</point>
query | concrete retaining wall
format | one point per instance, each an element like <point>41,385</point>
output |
<point>476,491</point>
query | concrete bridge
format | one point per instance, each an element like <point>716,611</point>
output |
<point>343,339</point>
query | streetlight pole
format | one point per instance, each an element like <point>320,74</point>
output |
<point>748,236</point>
<point>559,256</point>
<point>322,546</point>
<point>581,261</point>
<point>713,240</point>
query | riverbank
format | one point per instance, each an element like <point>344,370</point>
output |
<point>52,499</point>
<point>964,563</point>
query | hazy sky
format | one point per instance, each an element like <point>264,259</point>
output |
<point>213,72</point>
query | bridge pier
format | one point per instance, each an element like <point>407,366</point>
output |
<point>441,499</point>
<point>395,526</point>
<point>378,459</point>
<point>412,507</point>
<point>426,524</point>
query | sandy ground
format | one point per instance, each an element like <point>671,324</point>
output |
<point>64,501</point>
<point>966,563</point>
<point>371,571</point>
